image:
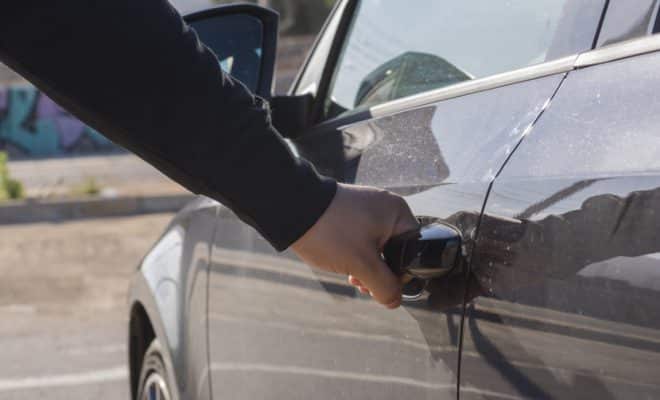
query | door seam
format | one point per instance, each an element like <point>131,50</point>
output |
<point>475,234</point>
<point>600,24</point>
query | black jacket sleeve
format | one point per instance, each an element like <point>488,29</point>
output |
<point>134,71</point>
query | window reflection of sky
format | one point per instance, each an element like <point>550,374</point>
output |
<point>639,272</point>
<point>517,197</point>
<point>227,64</point>
<point>481,37</point>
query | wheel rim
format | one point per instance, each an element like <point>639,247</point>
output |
<point>155,388</point>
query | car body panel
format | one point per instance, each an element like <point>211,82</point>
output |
<point>279,329</point>
<point>567,254</point>
<point>239,320</point>
<point>171,286</point>
<point>277,324</point>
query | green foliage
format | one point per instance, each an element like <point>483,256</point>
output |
<point>15,189</point>
<point>9,188</point>
<point>89,188</point>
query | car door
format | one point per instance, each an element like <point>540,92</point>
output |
<point>432,123</point>
<point>568,253</point>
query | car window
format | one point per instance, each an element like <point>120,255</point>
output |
<point>313,70</point>
<point>395,49</point>
<point>627,20</point>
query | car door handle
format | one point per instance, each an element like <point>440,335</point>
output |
<point>432,251</point>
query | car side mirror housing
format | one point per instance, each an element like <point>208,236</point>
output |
<point>244,38</point>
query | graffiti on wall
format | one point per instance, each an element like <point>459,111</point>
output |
<point>33,125</point>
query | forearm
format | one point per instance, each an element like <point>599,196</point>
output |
<point>135,72</point>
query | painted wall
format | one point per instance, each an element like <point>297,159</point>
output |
<point>32,125</point>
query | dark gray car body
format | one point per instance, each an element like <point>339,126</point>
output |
<point>551,173</point>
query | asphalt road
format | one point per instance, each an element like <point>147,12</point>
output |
<point>63,306</point>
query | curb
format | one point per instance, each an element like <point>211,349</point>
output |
<point>31,211</point>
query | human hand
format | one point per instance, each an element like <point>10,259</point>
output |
<point>349,238</point>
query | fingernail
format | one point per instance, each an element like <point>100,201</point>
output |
<point>393,305</point>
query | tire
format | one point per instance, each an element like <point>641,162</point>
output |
<point>154,384</point>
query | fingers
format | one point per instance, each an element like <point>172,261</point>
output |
<point>356,282</point>
<point>377,280</point>
<point>364,290</point>
<point>373,216</point>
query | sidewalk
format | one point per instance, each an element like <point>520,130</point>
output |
<point>126,184</point>
<point>115,175</point>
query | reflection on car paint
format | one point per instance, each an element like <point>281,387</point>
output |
<point>447,142</point>
<point>566,257</point>
<point>258,323</point>
<point>274,319</point>
<point>174,274</point>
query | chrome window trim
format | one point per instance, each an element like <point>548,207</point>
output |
<point>477,85</point>
<point>617,51</point>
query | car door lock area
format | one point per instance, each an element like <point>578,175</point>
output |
<point>432,252</point>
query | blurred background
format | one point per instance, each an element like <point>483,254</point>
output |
<point>77,214</point>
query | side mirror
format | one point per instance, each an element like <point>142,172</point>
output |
<point>244,38</point>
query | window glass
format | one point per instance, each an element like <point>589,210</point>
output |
<point>237,42</point>
<point>399,48</point>
<point>311,76</point>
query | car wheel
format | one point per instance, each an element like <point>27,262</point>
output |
<point>153,375</point>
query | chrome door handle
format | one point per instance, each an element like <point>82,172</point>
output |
<point>432,251</point>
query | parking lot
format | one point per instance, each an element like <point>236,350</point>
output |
<point>62,305</point>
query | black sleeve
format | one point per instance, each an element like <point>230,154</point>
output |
<point>134,71</point>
